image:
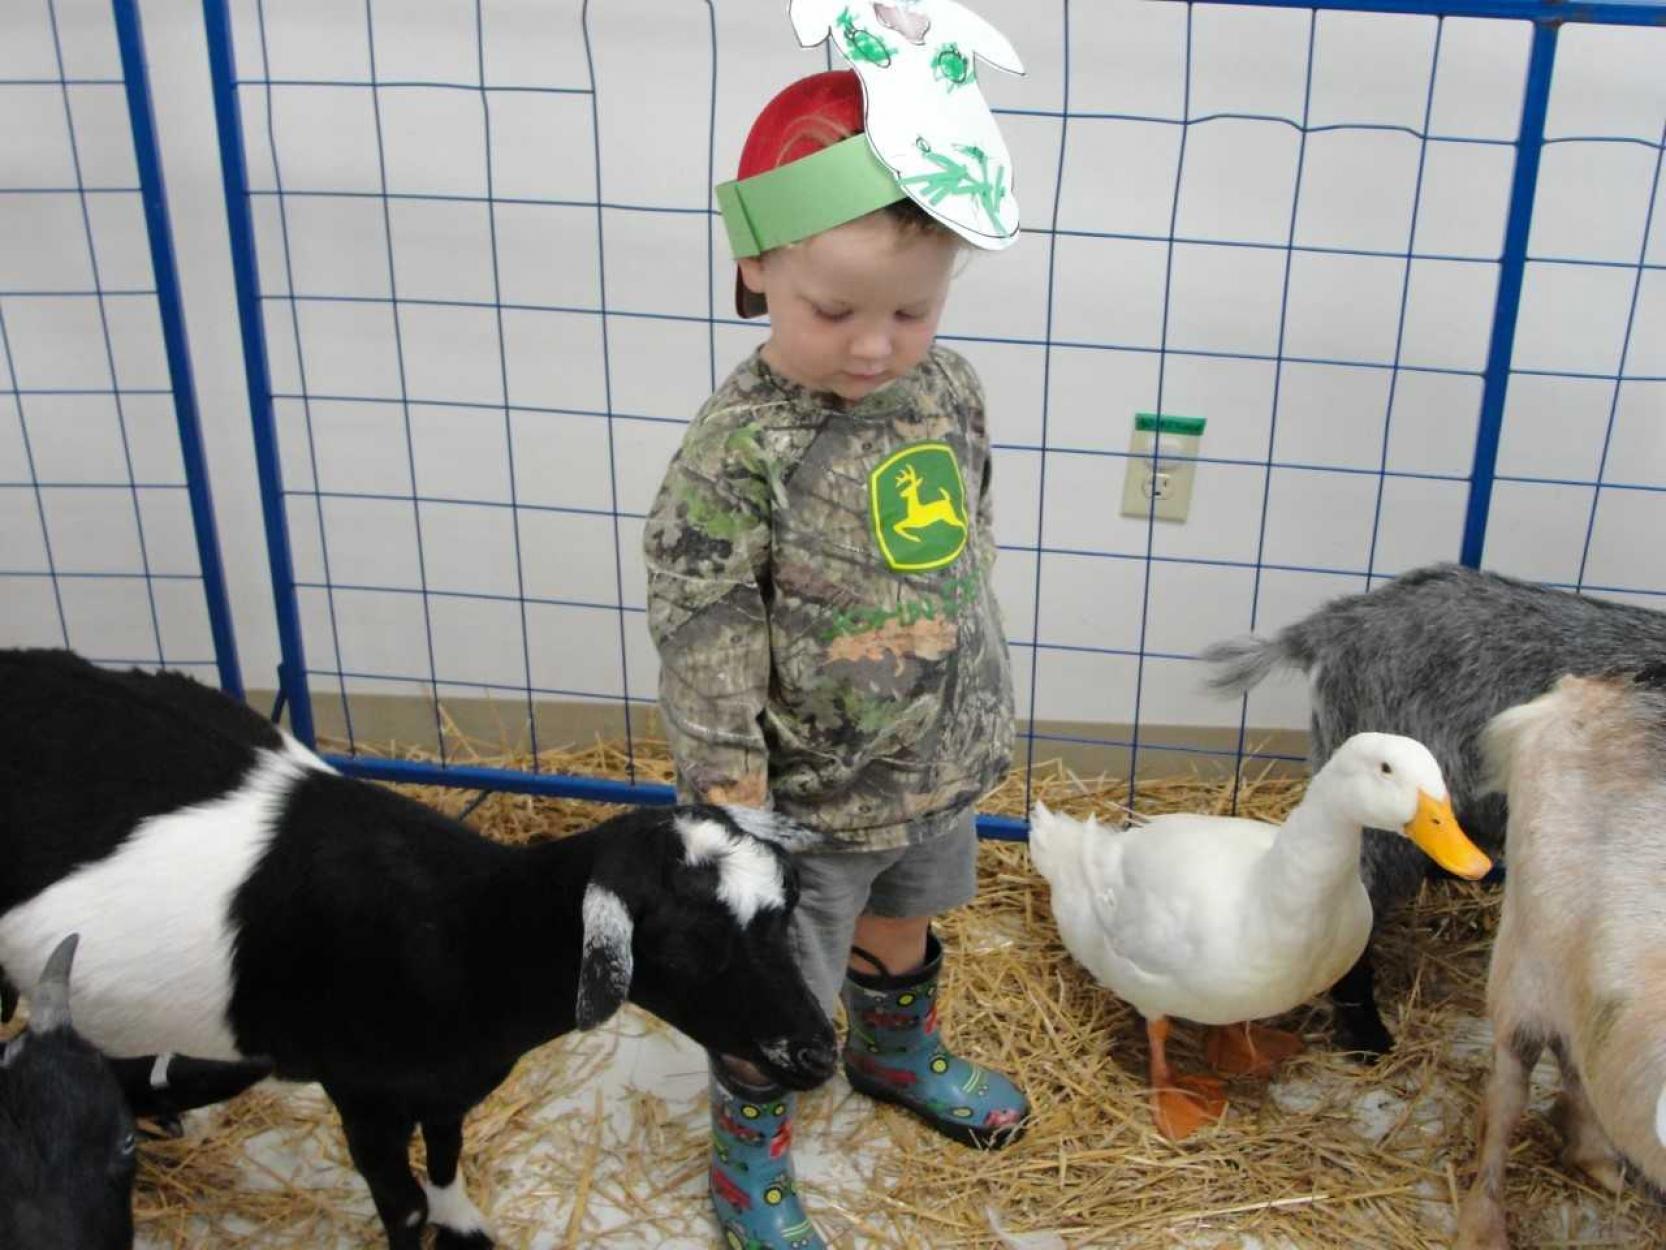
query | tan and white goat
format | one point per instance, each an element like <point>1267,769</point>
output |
<point>1580,960</point>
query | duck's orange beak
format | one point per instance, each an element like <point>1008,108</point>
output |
<point>1436,831</point>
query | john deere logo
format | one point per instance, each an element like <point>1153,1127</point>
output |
<point>919,507</point>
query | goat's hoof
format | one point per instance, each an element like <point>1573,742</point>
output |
<point>1586,1149</point>
<point>451,1239</point>
<point>1364,1042</point>
<point>1367,1056</point>
<point>457,1224</point>
<point>1481,1224</point>
<point>1605,1171</point>
<point>160,1127</point>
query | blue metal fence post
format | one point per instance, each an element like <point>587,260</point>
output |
<point>222,60</point>
<point>153,193</point>
<point>1524,185</point>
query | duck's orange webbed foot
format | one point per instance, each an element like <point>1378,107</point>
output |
<point>1249,1049</point>
<point>1187,1104</point>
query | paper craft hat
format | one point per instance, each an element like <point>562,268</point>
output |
<point>919,129</point>
<point>793,181</point>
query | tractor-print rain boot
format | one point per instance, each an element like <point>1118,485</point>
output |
<point>894,1052</point>
<point>753,1189</point>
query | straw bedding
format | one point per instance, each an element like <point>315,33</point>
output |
<point>1331,1154</point>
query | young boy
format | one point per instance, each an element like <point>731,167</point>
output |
<point>819,562</point>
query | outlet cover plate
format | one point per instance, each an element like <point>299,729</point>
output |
<point>1170,479</point>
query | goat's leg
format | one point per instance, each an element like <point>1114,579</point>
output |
<point>1585,1147</point>
<point>1359,1025</point>
<point>379,1140</point>
<point>161,1087</point>
<point>1481,1219</point>
<point>458,1225</point>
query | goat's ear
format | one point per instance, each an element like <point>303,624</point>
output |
<point>49,1004</point>
<point>604,970</point>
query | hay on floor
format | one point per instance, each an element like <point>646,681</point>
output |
<point>1331,1154</point>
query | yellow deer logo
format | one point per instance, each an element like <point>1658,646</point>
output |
<point>937,511</point>
<point>914,534</point>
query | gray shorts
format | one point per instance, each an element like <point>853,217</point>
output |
<point>835,887</point>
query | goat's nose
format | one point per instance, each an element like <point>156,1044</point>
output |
<point>816,1058</point>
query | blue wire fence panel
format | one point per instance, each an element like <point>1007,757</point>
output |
<point>1579,498</point>
<point>107,539</point>
<point>485,289</point>
<point>1287,222</point>
<point>452,451</point>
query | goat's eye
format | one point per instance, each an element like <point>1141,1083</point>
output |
<point>128,1144</point>
<point>1387,771</point>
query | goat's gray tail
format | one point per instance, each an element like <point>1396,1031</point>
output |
<point>1241,663</point>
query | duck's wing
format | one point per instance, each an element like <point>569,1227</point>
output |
<point>1350,934</point>
<point>1074,871</point>
<point>1120,930</point>
<point>1175,889</point>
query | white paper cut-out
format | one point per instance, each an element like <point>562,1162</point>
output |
<point>926,115</point>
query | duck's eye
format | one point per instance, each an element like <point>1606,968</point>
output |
<point>1387,770</point>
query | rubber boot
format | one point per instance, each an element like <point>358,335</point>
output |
<point>753,1188</point>
<point>894,1052</point>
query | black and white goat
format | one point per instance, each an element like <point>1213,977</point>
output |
<point>238,899</point>
<point>1579,964</point>
<point>1434,655</point>
<point>66,1135</point>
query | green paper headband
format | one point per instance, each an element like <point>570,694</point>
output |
<point>827,189</point>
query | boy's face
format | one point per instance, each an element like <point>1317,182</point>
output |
<point>853,307</point>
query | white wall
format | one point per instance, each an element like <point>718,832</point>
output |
<point>1316,530</point>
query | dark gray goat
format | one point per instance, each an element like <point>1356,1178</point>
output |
<point>66,1135</point>
<point>1434,655</point>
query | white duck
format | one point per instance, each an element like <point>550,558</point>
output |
<point>1224,920</point>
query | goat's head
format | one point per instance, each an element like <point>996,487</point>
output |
<point>690,921</point>
<point>66,1135</point>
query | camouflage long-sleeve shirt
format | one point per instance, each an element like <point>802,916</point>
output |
<point>819,591</point>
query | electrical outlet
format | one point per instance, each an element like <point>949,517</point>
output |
<point>1170,481</point>
<point>1161,485</point>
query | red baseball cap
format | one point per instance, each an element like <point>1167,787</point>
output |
<point>804,117</point>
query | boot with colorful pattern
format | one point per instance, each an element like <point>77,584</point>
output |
<point>894,1052</point>
<point>753,1189</point>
